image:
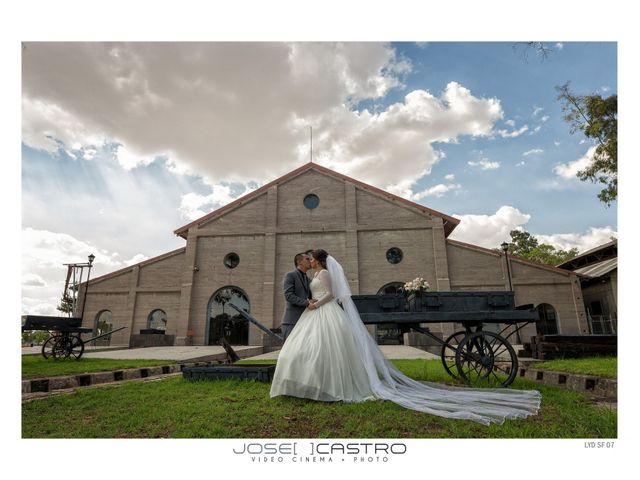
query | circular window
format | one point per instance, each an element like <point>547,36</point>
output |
<point>394,255</point>
<point>231,260</point>
<point>311,201</point>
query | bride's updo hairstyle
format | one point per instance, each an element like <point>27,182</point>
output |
<point>321,257</point>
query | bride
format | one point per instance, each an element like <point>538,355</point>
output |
<point>331,356</point>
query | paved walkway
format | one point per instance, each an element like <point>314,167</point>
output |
<point>395,352</point>
<point>202,352</point>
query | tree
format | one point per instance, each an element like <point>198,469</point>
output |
<point>525,245</point>
<point>66,304</point>
<point>541,49</point>
<point>597,118</point>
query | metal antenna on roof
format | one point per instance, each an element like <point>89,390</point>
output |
<point>311,144</point>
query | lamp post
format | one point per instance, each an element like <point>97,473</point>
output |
<point>91,257</point>
<point>505,249</point>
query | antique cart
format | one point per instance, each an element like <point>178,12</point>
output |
<point>478,356</point>
<point>64,340</point>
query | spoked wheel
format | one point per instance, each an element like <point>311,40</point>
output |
<point>50,346</point>
<point>486,359</point>
<point>75,347</point>
<point>448,352</point>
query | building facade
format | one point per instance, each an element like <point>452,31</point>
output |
<point>598,270</point>
<point>240,253</point>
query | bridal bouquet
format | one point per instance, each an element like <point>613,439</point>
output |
<point>416,285</point>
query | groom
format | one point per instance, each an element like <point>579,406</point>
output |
<point>296,292</point>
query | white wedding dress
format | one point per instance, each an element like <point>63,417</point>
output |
<point>331,356</point>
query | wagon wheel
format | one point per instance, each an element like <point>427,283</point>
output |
<point>50,345</point>
<point>448,352</point>
<point>75,347</point>
<point>62,347</point>
<point>486,358</point>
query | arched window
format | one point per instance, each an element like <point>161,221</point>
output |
<point>391,288</point>
<point>157,320</point>
<point>104,324</point>
<point>547,323</point>
<point>225,321</point>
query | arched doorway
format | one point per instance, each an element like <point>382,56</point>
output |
<point>104,324</point>
<point>224,321</point>
<point>547,323</point>
<point>389,333</point>
<point>157,320</point>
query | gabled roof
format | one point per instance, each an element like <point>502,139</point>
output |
<point>598,269</point>
<point>449,222</point>
<point>595,255</point>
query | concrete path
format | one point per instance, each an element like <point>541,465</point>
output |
<point>395,352</point>
<point>204,352</point>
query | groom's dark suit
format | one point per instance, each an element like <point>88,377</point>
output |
<point>297,294</point>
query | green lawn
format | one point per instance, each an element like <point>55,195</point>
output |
<point>599,366</point>
<point>173,407</point>
<point>37,366</point>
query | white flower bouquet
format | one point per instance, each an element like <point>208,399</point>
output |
<point>416,285</point>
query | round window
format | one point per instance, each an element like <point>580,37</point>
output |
<point>394,255</point>
<point>231,260</point>
<point>311,201</point>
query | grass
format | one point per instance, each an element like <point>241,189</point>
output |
<point>174,407</point>
<point>37,366</point>
<point>598,366</point>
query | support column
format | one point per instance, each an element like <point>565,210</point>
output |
<point>351,266</point>
<point>131,299</point>
<point>267,310</point>
<point>186,288</point>
<point>443,282</point>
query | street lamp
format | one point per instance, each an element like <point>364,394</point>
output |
<point>91,257</point>
<point>505,249</point>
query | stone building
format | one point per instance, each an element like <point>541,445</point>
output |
<point>240,253</point>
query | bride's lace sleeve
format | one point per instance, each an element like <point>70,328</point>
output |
<point>325,278</point>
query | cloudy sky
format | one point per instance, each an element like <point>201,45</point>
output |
<point>123,143</point>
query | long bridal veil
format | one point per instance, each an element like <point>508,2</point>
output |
<point>388,383</point>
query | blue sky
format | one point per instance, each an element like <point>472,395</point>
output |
<point>123,143</point>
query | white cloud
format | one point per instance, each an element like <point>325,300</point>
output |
<point>450,177</point>
<point>43,255</point>
<point>536,111</point>
<point>605,89</point>
<point>535,130</point>
<point>559,45</point>
<point>435,191</point>
<point>545,118</point>
<point>593,237</point>
<point>557,143</point>
<point>520,164</point>
<point>510,122</point>
<point>484,164</point>
<point>513,133</point>
<point>489,230</point>
<point>193,205</point>
<point>534,151</point>
<point>237,112</point>
<point>569,170</point>
<point>33,280</point>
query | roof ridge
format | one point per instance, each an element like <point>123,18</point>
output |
<point>450,222</point>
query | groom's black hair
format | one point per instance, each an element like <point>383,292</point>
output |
<point>297,258</point>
